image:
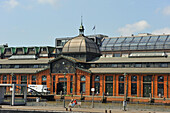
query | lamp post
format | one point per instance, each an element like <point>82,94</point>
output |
<point>92,89</point>
<point>125,93</point>
<point>64,85</point>
<point>64,89</point>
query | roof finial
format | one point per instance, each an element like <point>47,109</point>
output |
<point>81,20</point>
<point>81,29</point>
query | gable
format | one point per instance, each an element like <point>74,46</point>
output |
<point>62,66</point>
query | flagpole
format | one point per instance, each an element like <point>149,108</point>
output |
<point>94,29</point>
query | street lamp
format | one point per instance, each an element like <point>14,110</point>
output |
<point>92,89</point>
<point>64,86</point>
<point>125,93</point>
<point>64,89</point>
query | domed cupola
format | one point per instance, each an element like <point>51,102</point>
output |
<point>81,48</point>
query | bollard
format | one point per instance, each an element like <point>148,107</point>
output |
<point>105,111</point>
<point>110,111</point>
<point>70,109</point>
<point>66,109</point>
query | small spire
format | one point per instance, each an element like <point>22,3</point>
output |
<point>81,29</point>
<point>81,20</point>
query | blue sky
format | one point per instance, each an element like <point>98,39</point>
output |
<point>39,22</point>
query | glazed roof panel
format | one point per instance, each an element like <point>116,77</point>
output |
<point>136,43</point>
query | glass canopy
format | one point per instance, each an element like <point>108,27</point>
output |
<point>136,43</point>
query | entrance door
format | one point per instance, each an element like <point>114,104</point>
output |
<point>60,87</point>
<point>109,89</point>
<point>146,90</point>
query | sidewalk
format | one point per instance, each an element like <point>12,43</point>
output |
<point>61,109</point>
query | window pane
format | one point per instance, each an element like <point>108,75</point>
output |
<point>109,78</point>
<point>113,65</point>
<point>153,39</point>
<point>145,39</point>
<point>54,78</point>
<point>134,78</point>
<point>160,79</point>
<point>82,87</point>
<point>161,89</point>
<point>134,88</point>
<point>34,78</point>
<point>97,78</point>
<point>97,88</point>
<point>108,48</point>
<point>71,87</point>
<point>143,42</point>
<point>83,78</point>
<point>161,39</point>
<point>164,64</point>
<point>121,78</point>
<point>4,77</point>
<point>23,78</point>
<point>138,65</point>
<point>147,78</point>
<point>120,40</point>
<point>128,40</point>
<point>136,40</point>
<point>126,43</point>
<point>14,77</point>
<point>116,55</point>
<point>121,88</point>
<point>105,42</point>
<point>111,41</point>
<point>168,40</point>
<point>151,42</point>
<point>62,79</point>
<point>71,78</point>
<point>44,78</point>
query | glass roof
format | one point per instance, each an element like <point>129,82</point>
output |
<point>136,43</point>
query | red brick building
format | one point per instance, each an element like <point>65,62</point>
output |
<point>135,68</point>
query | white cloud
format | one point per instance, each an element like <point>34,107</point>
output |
<point>51,2</point>
<point>166,10</point>
<point>129,29</point>
<point>165,30</point>
<point>11,4</point>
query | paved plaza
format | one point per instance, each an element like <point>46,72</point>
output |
<point>61,109</point>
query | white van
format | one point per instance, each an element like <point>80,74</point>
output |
<point>38,88</point>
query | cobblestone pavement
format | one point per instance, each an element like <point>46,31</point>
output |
<point>76,110</point>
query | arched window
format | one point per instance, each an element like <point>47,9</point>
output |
<point>14,78</point>
<point>97,84</point>
<point>83,78</point>
<point>160,86</point>
<point>134,85</point>
<point>160,79</point>
<point>34,79</point>
<point>97,78</point>
<point>71,84</point>
<point>121,85</point>
<point>4,77</point>
<point>44,78</point>
<point>82,84</point>
<point>54,84</point>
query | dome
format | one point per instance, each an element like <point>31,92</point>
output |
<point>80,44</point>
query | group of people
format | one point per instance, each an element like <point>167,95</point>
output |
<point>72,103</point>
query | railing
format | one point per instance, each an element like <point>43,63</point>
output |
<point>100,105</point>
